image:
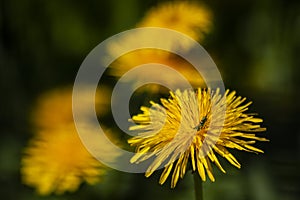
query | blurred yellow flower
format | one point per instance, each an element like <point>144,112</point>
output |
<point>186,17</point>
<point>189,127</point>
<point>56,161</point>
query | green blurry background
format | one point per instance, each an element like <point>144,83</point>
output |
<point>255,44</point>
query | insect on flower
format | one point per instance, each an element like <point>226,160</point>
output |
<point>201,124</point>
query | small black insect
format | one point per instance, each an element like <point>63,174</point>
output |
<point>201,124</point>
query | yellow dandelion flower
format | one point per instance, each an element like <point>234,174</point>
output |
<point>189,127</point>
<point>56,161</point>
<point>186,17</point>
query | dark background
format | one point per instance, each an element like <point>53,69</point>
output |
<point>255,44</point>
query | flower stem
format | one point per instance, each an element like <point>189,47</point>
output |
<point>198,186</point>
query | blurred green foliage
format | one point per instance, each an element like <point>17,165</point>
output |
<point>254,43</point>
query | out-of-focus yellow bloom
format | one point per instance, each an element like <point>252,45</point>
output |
<point>55,160</point>
<point>186,128</point>
<point>186,17</point>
